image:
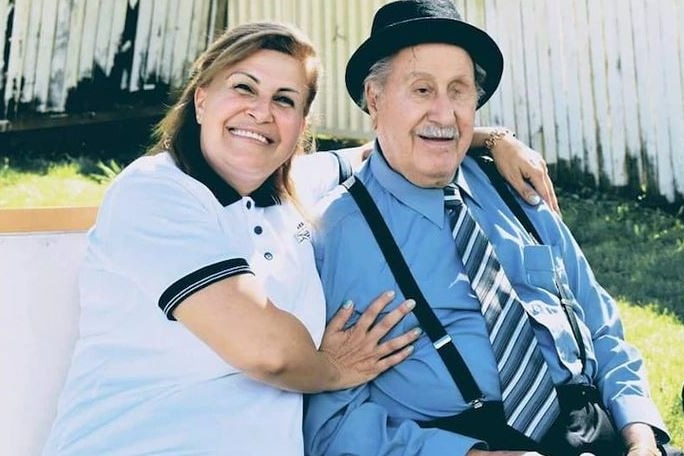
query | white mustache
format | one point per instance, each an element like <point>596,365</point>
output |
<point>436,132</point>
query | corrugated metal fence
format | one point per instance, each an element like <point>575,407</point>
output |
<point>95,56</point>
<point>595,85</point>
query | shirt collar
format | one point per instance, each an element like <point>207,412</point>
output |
<point>462,182</point>
<point>264,196</point>
<point>429,202</point>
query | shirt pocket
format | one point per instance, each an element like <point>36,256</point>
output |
<point>539,267</point>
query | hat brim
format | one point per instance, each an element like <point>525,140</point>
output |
<point>479,45</point>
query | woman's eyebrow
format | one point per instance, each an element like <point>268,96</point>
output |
<point>255,79</point>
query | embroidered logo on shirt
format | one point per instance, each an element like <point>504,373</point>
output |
<point>303,233</point>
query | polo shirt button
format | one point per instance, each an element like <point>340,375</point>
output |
<point>249,204</point>
<point>258,229</point>
<point>268,256</point>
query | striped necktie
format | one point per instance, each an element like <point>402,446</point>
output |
<point>528,394</point>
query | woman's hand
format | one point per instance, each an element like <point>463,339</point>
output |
<point>525,170</point>
<point>357,352</point>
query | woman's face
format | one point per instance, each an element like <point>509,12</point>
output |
<point>251,115</point>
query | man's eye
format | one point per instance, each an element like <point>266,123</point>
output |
<point>463,94</point>
<point>284,101</point>
<point>422,90</point>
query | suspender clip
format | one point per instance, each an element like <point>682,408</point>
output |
<point>442,341</point>
<point>477,403</point>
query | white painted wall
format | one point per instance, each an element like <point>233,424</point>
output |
<point>597,83</point>
<point>38,327</point>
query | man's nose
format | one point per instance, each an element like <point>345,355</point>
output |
<point>442,110</point>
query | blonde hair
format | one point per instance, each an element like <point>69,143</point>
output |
<point>178,132</point>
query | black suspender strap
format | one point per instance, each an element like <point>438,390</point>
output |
<point>487,165</point>
<point>344,167</point>
<point>426,317</point>
<point>565,296</point>
<point>566,300</point>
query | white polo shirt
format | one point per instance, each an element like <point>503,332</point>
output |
<point>140,382</point>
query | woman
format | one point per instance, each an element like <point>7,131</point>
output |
<point>201,307</point>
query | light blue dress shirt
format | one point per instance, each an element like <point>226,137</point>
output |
<point>378,418</point>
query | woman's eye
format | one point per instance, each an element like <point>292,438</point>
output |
<point>422,90</point>
<point>243,88</point>
<point>285,101</point>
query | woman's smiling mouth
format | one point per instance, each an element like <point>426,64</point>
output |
<point>251,135</point>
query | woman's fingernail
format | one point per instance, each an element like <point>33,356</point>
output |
<point>410,303</point>
<point>417,332</point>
<point>534,199</point>
<point>410,349</point>
<point>348,304</point>
<point>390,294</point>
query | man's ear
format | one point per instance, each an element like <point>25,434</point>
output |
<point>199,99</point>
<point>371,93</point>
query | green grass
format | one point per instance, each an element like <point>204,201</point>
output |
<point>65,183</point>
<point>660,339</point>
<point>637,253</point>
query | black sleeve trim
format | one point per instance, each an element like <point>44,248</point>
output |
<point>199,279</point>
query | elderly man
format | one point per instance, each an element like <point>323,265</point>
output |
<point>524,351</point>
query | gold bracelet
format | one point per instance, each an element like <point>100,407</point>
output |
<point>495,135</point>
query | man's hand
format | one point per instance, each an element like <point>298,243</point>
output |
<point>474,452</point>
<point>640,440</point>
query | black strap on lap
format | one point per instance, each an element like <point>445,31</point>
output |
<point>488,423</point>
<point>402,274</point>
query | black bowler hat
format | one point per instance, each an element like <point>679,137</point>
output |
<point>405,23</point>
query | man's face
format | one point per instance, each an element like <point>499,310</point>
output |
<point>424,113</point>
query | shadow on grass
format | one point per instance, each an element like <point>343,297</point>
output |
<point>637,253</point>
<point>86,145</point>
